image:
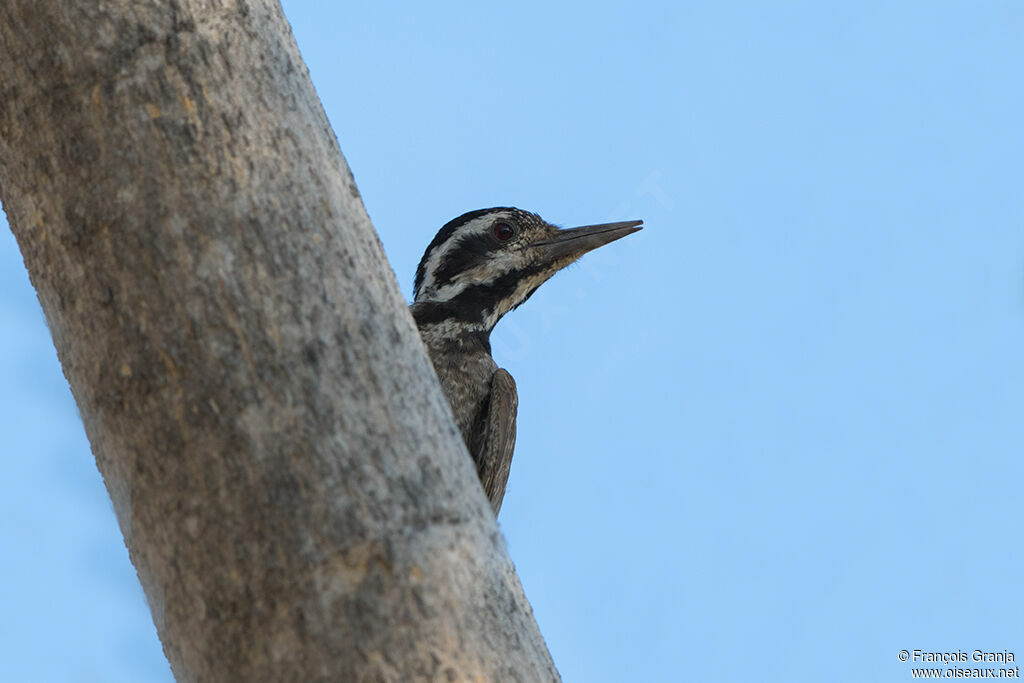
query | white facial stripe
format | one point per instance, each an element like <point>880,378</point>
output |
<point>498,265</point>
<point>437,256</point>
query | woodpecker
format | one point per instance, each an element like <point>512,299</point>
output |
<point>479,267</point>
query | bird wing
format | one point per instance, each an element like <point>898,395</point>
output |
<point>499,439</point>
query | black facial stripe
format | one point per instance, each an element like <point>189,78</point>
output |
<point>473,301</point>
<point>470,304</point>
<point>470,251</point>
<point>444,234</point>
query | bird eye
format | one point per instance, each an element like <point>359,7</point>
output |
<point>503,232</point>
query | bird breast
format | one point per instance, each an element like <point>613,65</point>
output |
<point>466,380</point>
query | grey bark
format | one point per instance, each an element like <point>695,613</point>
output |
<point>285,470</point>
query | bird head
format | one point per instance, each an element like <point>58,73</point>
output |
<point>485,263</point>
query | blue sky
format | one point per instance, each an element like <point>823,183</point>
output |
<point>776,435</point>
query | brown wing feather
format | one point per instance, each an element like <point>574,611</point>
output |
<point>499,439</point>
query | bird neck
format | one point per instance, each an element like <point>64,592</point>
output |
<point>442,324</point>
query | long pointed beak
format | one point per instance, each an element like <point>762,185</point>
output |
<point>576,242</point>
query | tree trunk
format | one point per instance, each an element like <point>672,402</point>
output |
<point>284,467</point>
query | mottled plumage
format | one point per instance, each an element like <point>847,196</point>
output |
<point>479,267</point>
